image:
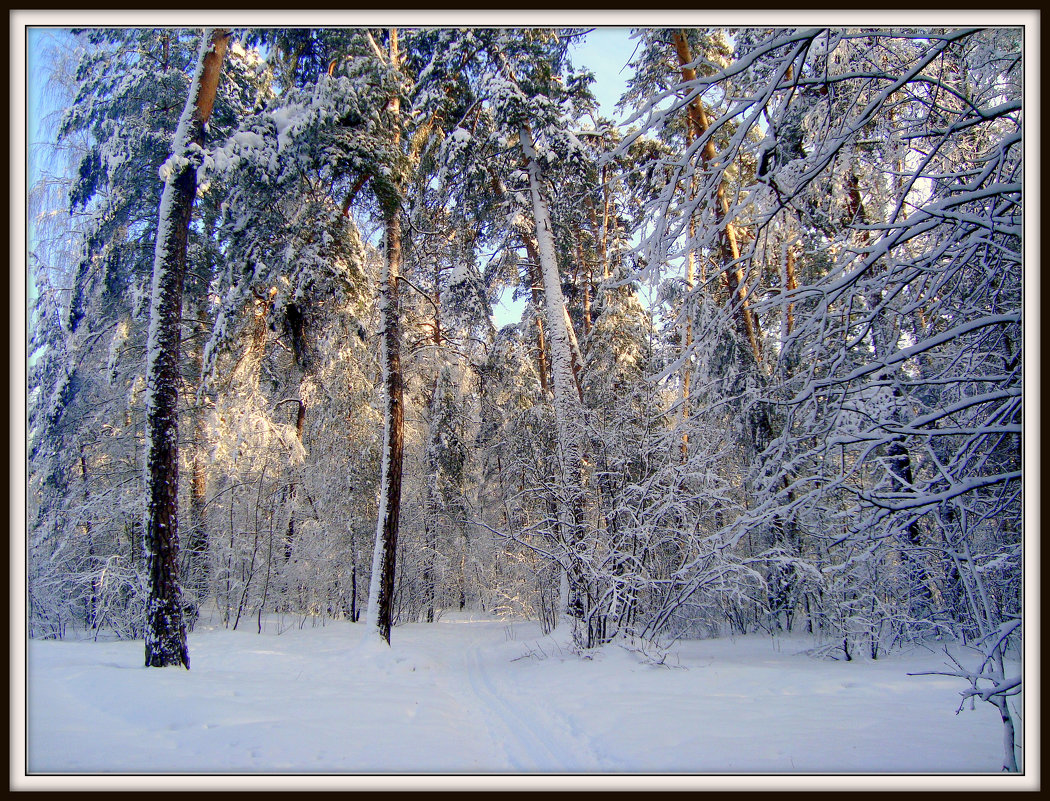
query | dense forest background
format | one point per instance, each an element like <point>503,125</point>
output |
<point>768,376</point>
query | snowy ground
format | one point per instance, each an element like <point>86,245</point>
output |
<point>477,697</point>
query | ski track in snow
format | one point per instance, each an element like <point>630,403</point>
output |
<point>532,744</point>
<point>526,750</point>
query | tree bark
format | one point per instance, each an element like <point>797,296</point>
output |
<point>566,392</point>
<point>165,628</point>
<point>687,337</point>
<point>532,248</point>
<point>698,125</point>
<point>542,365</point>
<point>537,280</point>
<point>91,616</point>
<point>568,409</point>
<point>379,615</point>
<point>585,286</point>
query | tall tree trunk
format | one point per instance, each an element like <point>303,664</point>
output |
<point>289,534</point>
<point>698,125</point>
<point>381,592</point>
<point>567,403</point>
<point>539,279</point>
<point>541,342</point>
<point>536,280</point>
<point>165,628</point>
<point>566,391</point>
<point>687,336</point>
<point>379,616</point>
<point>296,321</point>
<point>586,286</point>
<point>91,613</point>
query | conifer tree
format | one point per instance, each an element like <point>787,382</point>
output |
<point>165,629</point>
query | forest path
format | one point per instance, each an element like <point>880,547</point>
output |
<point>497,682</point>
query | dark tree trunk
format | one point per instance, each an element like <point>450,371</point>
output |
<point>165,630</point>
<point>380,614</point>
<point>296,323</point>
<point>165,627</point>
<point>91,616</point>
<point>289,534</point>
<point>394,432</point>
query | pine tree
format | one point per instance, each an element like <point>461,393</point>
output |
<point>165,629</point>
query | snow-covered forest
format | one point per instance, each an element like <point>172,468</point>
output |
<point>767,380</point>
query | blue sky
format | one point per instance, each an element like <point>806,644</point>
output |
<point>606,52</point>
<point>33,95</point>
<point>35,76</point>
<point>34,109</point>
